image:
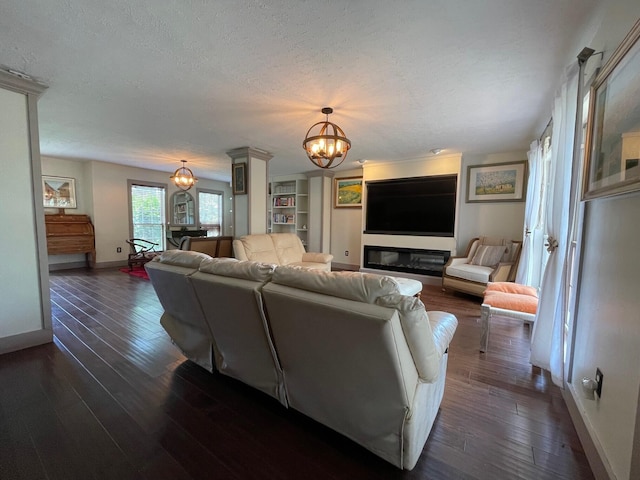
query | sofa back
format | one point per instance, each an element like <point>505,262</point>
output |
<point>345,351</point>
<point>183,319</point>
<point>230,293</point>
<point>256,248</point>
<point>275,248</point>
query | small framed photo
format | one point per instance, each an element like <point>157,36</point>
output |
<point>499,182</point>
<point>612,146</point>
<point>348,192</point>
<point>59,192</point>
<point>239,178</point>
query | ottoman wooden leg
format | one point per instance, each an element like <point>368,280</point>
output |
<point>485,315</point>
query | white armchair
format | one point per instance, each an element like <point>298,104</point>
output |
<point>486,260</point>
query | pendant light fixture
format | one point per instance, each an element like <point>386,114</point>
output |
<point>183,177</point>
<point>325,143</point>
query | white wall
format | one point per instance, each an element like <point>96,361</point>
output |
<point>502,219</point>
<point>25,313</point>
<point>102,194</point>
<point>473,219</point>
<point>607,324</point>
<point>346,228</point>
<point>20,288</point>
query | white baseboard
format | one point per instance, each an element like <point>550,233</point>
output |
<point>25,340</point>
<point>591,446</point>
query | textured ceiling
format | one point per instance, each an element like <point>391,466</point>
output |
<point>149,82</point>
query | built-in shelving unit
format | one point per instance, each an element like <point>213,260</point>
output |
<point>288,207</point>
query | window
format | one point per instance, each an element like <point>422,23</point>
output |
<point>147,203</point>
<point>210,212</point>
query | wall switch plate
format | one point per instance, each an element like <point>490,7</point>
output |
<point>599,379</point>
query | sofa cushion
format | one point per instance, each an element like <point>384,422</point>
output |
<point>510,287</point>
<point>259,248</point>
<point>288,247</point>
<point>362,287</point>
<point>181,258</point>
<point>230,267</point>
<point>473,273</point>
<point>488,255</point>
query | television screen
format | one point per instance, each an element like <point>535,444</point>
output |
<point>412,206</point>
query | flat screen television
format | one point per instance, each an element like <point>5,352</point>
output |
<point>412,206</point>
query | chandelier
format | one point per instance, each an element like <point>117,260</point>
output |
<point>325,143</point>
<point>183,177</point>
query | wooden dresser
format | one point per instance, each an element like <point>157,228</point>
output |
<point>71,234</point>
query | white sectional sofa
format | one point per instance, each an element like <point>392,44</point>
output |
<point>344,348</point>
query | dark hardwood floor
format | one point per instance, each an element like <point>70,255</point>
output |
<point>112,398</point>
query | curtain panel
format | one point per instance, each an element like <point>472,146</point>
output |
<point>547,343</point>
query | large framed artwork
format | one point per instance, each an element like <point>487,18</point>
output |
<point>348,192</point>
<point>239,178</point>
<point>612,160</point>
<point>498,182</point>
<point>59,192</point>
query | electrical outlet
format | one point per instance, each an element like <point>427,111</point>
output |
<point>346,253</point>
<point>119,250</point>
<point>599,380</point>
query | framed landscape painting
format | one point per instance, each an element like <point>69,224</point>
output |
<point>499,182</point>
<point>348,192</point>
<point>59,192</point>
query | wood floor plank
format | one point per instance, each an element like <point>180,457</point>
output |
<point>112,398</point>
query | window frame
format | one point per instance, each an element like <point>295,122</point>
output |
<point>145,183</point>
<point>212,192</point>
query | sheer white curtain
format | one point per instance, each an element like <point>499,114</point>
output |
<point>532,256</point>
<point>547,343</point>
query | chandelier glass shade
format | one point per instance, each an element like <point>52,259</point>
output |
<point>183,177</point>
<point>325,143</point>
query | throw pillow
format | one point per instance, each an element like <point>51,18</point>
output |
<point>488,255</point>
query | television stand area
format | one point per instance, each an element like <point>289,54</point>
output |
<point>420,264</point>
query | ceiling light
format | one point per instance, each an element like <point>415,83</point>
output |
<point>325,143</point>
<point>183,177</point>
<point>436,151</point>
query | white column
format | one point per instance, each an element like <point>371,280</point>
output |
<point>25,317</point>
<point>250,209</point>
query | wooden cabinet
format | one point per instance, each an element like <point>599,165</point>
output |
<point>68,234</point>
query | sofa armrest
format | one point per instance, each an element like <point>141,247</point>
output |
<point>501,272</point>
<point>317,257</point>
<point>238,251</point>
<point>443,326</point>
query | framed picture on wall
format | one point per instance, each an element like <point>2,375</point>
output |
<point>348,192</point>
<point>239,178</point>
<point>612,160</point>
<point>499,182</point>
<point>59,192</point>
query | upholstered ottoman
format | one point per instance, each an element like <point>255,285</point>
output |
<point>508,300</point>
<point>408,286</point>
